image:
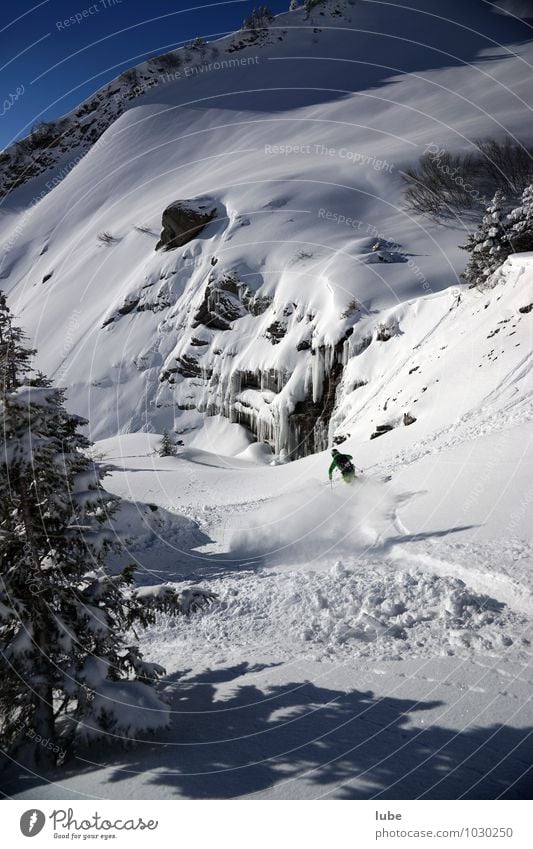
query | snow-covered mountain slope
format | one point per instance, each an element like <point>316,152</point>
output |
<point>458,363</point>
<point>365,642</point>
<point>368,641</point>
<point>296,138</point>
<point>371,641</point>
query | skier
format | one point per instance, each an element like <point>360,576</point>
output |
<point>342,462</point>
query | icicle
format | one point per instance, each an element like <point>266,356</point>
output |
<point>308,379</point>
<point>318,374</point>
<point>282,440</point>
<point>329,358</point>
<point>234,389</point>
<point>345,353</point>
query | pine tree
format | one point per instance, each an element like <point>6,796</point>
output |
<point>67,672</point>
<point>166,446</point>
<point>521,223</point>
<point>489,246</point>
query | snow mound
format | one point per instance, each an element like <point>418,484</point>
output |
<point>257,452</point>
<point>219,436</point>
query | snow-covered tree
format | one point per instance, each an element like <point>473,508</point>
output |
<point>67,671</point>
<point>166,447</point>
<point>259,20</point>
<point>489,245</point>
<point>521,223</point>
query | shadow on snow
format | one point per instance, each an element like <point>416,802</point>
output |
<point>301,739</point>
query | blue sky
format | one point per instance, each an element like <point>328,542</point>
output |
<point>49,64</point>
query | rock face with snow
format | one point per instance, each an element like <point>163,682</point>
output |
<point>184,221</point>
<point>289,287</point>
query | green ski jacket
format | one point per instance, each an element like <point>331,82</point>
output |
<point>335,463</point>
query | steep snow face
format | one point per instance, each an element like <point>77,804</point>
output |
<point>459,362</point>
<point>311,278</point>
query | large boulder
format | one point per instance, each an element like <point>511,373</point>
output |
<point>183,220</point>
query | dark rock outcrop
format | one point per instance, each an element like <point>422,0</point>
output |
<point>381,430</point>
<point>384,333</point>
<point>183,220</point>
<point>219,308</point>
<point>340,438</point>
<point>225,301</point>
<point>128,306</point>
<point>276,331</point>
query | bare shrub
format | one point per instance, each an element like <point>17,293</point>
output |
<point>352,308</point>
<point>443,183</point>
<point>107,238</point>
<point>167,61</point>
<point>44,134</point>
<point>259,20</point>
<point>312,4</point>
<point>130,76</point>
<point>507,164</point>
<point>197,47</point>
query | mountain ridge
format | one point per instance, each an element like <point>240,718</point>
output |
<point>310,260</point>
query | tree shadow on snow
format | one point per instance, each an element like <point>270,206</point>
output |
<point>302,739</point>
